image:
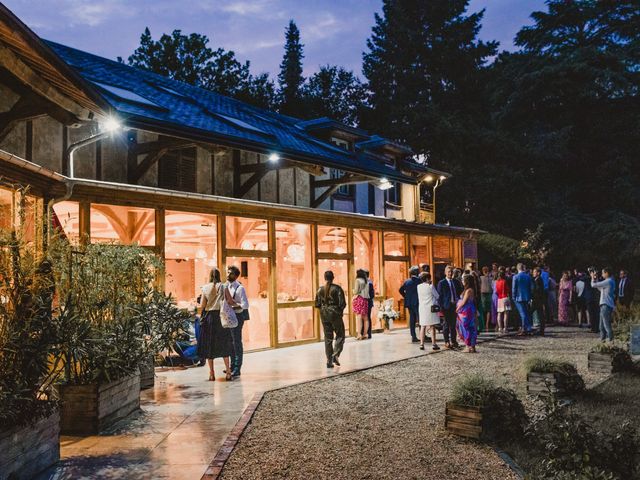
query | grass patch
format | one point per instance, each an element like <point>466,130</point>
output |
<point>541,364</point>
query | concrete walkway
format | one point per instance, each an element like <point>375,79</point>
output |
<point>185,418</point>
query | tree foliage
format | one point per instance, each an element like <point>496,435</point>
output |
<point>290,76</point>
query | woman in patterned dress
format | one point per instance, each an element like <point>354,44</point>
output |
<point>564,298</point>
<point>361,304</point>
<point>466,311</point>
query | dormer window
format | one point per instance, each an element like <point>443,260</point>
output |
<point>339,142</point>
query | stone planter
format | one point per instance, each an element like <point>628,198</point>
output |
<point>28,450</point>
<point>608,362</point>
<point>462,420</point>
<point>147,374</point>
<point>545,384</point>
<point>89,409</point>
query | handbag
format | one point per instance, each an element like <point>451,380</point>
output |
<point>228,318</point>
<point>435,308</point>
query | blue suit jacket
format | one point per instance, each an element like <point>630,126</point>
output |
<point>444,293</point>
<point>522,287</point>
<point>409,291</point>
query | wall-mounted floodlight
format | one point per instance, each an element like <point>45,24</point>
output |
<point>109,126</point>
<point>274,157</point>
<point>428,178</point>
<point>385,184</point>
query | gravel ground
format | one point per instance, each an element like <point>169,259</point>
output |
<point>388,421</point>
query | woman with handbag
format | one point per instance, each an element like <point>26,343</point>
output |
<point>215,340</point>
<point>428,309</point>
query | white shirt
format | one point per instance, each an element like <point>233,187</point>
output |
<point>579,287</point>
<point>238,293</point>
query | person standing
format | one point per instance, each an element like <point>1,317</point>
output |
<point>538,300</point>
<point>501,291</point>
<point>239,296</point>
<point>331,302</point>
<point>372,294</point>
<point>544,274</point>
<point>522,287</point>
<point>361,304</point>
<point>449,290</point>
<point>592,300</point>
<point>552,302</point>
<point>626,289</point>
<point>607,289</point>
<point>214,340</point>
<point>466,311</point>
<point>428,309</point>
<point>564,298</point>
<point>486,293</point>
<point>409,291</point>
<point>581,303</point>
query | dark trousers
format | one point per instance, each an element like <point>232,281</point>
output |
<point>413,321</point>
<point>546,311</point>
<point>449,326</point>
<point>236,338</point>
<point>333,326</point>
<point>593,314</point>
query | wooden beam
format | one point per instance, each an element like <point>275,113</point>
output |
<point>254,179</point>
<point>36,83</point>
<point>327,193</point>
<point>148,161</point>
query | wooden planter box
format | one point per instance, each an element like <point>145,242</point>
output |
<point>464,421</point>
<point>27,451</point>
<point>89,409</point>
<point>607,362</point>
<point>147,374</point>
<point>544,384</point>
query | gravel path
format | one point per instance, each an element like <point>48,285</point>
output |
<point>388,421</point>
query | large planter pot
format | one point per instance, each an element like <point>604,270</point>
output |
<point>462,420</point>
<point>89,409</point>
<point>28,450</point>
<point>545,384</point>
<point>147,374</point>
<point>608,362</point>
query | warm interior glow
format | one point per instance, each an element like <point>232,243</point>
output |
<point>366,251</point>
<point>394,244</point>
<point>331,239</point>
<point>247,233</point>
<point>394,274</point>
<point>126,225</point>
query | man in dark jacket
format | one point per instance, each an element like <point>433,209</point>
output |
<point>449,291</point>
<point>409,291</point>
<point>538,299</point>
<point>331,302</point>
<point>625,289</point>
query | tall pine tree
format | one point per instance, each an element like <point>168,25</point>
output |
<point>290,76</point>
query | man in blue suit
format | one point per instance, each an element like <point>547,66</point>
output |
<point>409,291</point>
<point>449,291</point>
<point>522,288</point>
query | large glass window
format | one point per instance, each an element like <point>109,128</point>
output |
<point>126,225</point>
<point>419,249</point>
<point>6,208</point>
<point>247,234</point>
<point>66,220</point>
<point>395,273</point>
<point>293,261</point>
<point>332,239</point>
<point>394,244</point>
<point>366,254</point>
<point>190,253</point>
<point>295,324</point>
<point>254,275</point>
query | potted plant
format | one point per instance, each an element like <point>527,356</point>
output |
<point>608,357</point>
<point>477,408</point>
<point>29,421</point>
<point>546,376</point>
<point>103,287</point>
<point>387,314</point>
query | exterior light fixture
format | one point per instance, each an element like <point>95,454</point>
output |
<point>111,124</point>
<point>274,157</point>
<point>429,178</point>
<point>385,184</point>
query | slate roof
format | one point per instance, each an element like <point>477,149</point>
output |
<point>145,99</point>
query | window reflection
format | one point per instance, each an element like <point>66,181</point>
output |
<point>332,239</point>
<point>190,253</point>
<point>293,260</point>
<point>126,225</point>
<point>247,233</point>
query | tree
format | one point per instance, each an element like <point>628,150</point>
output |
<point>188,58</point>
<point>290,76</point>
<point>335,93</point>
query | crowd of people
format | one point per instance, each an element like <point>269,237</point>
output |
<point>461,304</point>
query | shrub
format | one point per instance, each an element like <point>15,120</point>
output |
<point>623,319</point>
<point>573,449</point>
<point>503,414</point>
<point>572,380</point>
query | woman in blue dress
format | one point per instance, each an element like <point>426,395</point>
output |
<point>466,310</point>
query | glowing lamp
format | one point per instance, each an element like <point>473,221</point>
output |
<point>274,157</point>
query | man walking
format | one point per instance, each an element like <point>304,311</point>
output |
<point>409,291</point>
<point>522,287</point>
<point>607,289</point>
<point>449,290</point>
<point>625,289</point>
<point>239,295</point>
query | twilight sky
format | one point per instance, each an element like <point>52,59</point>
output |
<point>333,31</point>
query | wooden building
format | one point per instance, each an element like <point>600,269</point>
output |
<point>115,154</point>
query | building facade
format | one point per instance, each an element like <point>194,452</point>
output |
<point>110,153</point>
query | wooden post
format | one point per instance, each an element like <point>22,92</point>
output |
<point>85,223</point>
